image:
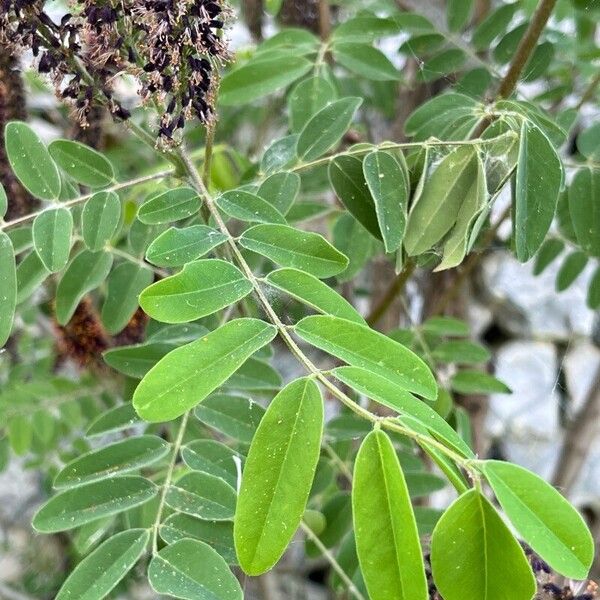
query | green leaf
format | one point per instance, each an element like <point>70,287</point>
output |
<point>493,25</point>
<point>588,142</point>
<point>200,289</point>
<point>593,295</point>
<point>80,505</point>
<point>387,541</point>
<point>538,181</point>
<point>192,570</point>
<point>435,210</point>
<point>82,163</point>
<point>125,283</point>
<point>461,351</point>
<point>421,483</point>
<point>547,522</point>
<point>348,181</point>
<point>214,458</point>
<point>476,382</point>
<point>248,207</point>
<point>353,240</point>
<point>314,293</point>
<point>549,251</point>
<point>8,284</point>
<point>280,190</point>
<point>234,416</point>
<point>474,202</point>
<point>291,247</point>
<point>365,28</point>
<point>115,419</point>
<point>172,205</point>
<point>31,273</point>
<point>446,326</point>
<point>256,79</point>
<point>390,189</point>
<point>187,375</point>
<point>217,534</point>
<point>472,550</point>
<point>293,38</point>
<point>176,247</point>
<point>279,154</point>
<point>84,274</point>
<point>365,61</point>
<point>120,457</point>
<point>135,361</point>
<point>31,162</point>
<point>100,219</point>
<point>97,574</point>
<point>20,434</point>
<point>255,374</point>
<point>584,208</point>
<point>278,476</point>
<point>324,131</point>
<point>458,14</point>
<point>570,270</point>
<point>389,394</point>
<point>51,232</point>
<point>307,98</point>
<point>202,495</point>
<point>3,202</point>
<point>442,64</point>
<point>363,347</point>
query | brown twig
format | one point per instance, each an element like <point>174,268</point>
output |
<point>391,293</point>
<point>324,19</point>
<point>589,92</point>
<point>579,436</point>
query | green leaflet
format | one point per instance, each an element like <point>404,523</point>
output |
<point>187,375</point>
<point>361,346</point>
<point>584,208</point>
<point>461,351</point>
<point>100,219</point>
<point>291,247</point>
<point>278,476</point>
<point>307,98</point>
<point>172,205</point>
<point>570,270</point>
<point>546,520</point>
<point>280,154</point>
<point>436,208</point>
<point>234,416</point>
<point>548,252</point>
<point>8,284</point>
<point>31,273</point>
<point>77,506</point>
<point>202,495</point>
<point>538,182</point>
<point>125,284</point>
<point>389,188</point>
<point>248,207</point>
<point>477,382</point>
<point>31,162</point>
<point>176,247</point>
<point>82,163</point>
<point>326,128</point>
<point>280,190</point>
<point>456,245</point>
<point>135,361</point>
<point>214,458</point>
<point>3,202</point>
<point>593,295</point>
<point>259,78</point>
<point>458,13</point>
<point>217,534</point>
<point>387,541</point>
<point>472,550</point>
<point>51,233</point>
<point>387,393</point>
<point>365,60</point>
<point>98,573</point>
<point>365,28</point>
<point>348,181</point>
<point>201,288</point>
<point>120,457</point>
<point>84,273</point>
<point>192,570</point>
<point>115,419</point>
<point>314,293</point>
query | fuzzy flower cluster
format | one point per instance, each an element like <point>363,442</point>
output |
<point>170,47</point>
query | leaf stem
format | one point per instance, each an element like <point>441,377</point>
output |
<point>80,199</point>
<point>310,534</point>
<point>168,478</point>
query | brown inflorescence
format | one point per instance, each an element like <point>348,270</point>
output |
<point>170,46</point>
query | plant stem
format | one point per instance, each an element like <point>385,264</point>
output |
<point>167,482</point>
<point>395,288</point>
<point>589,92</point>
<point>332,561</point>
<point>80,199</point>
<point>526,47</point>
